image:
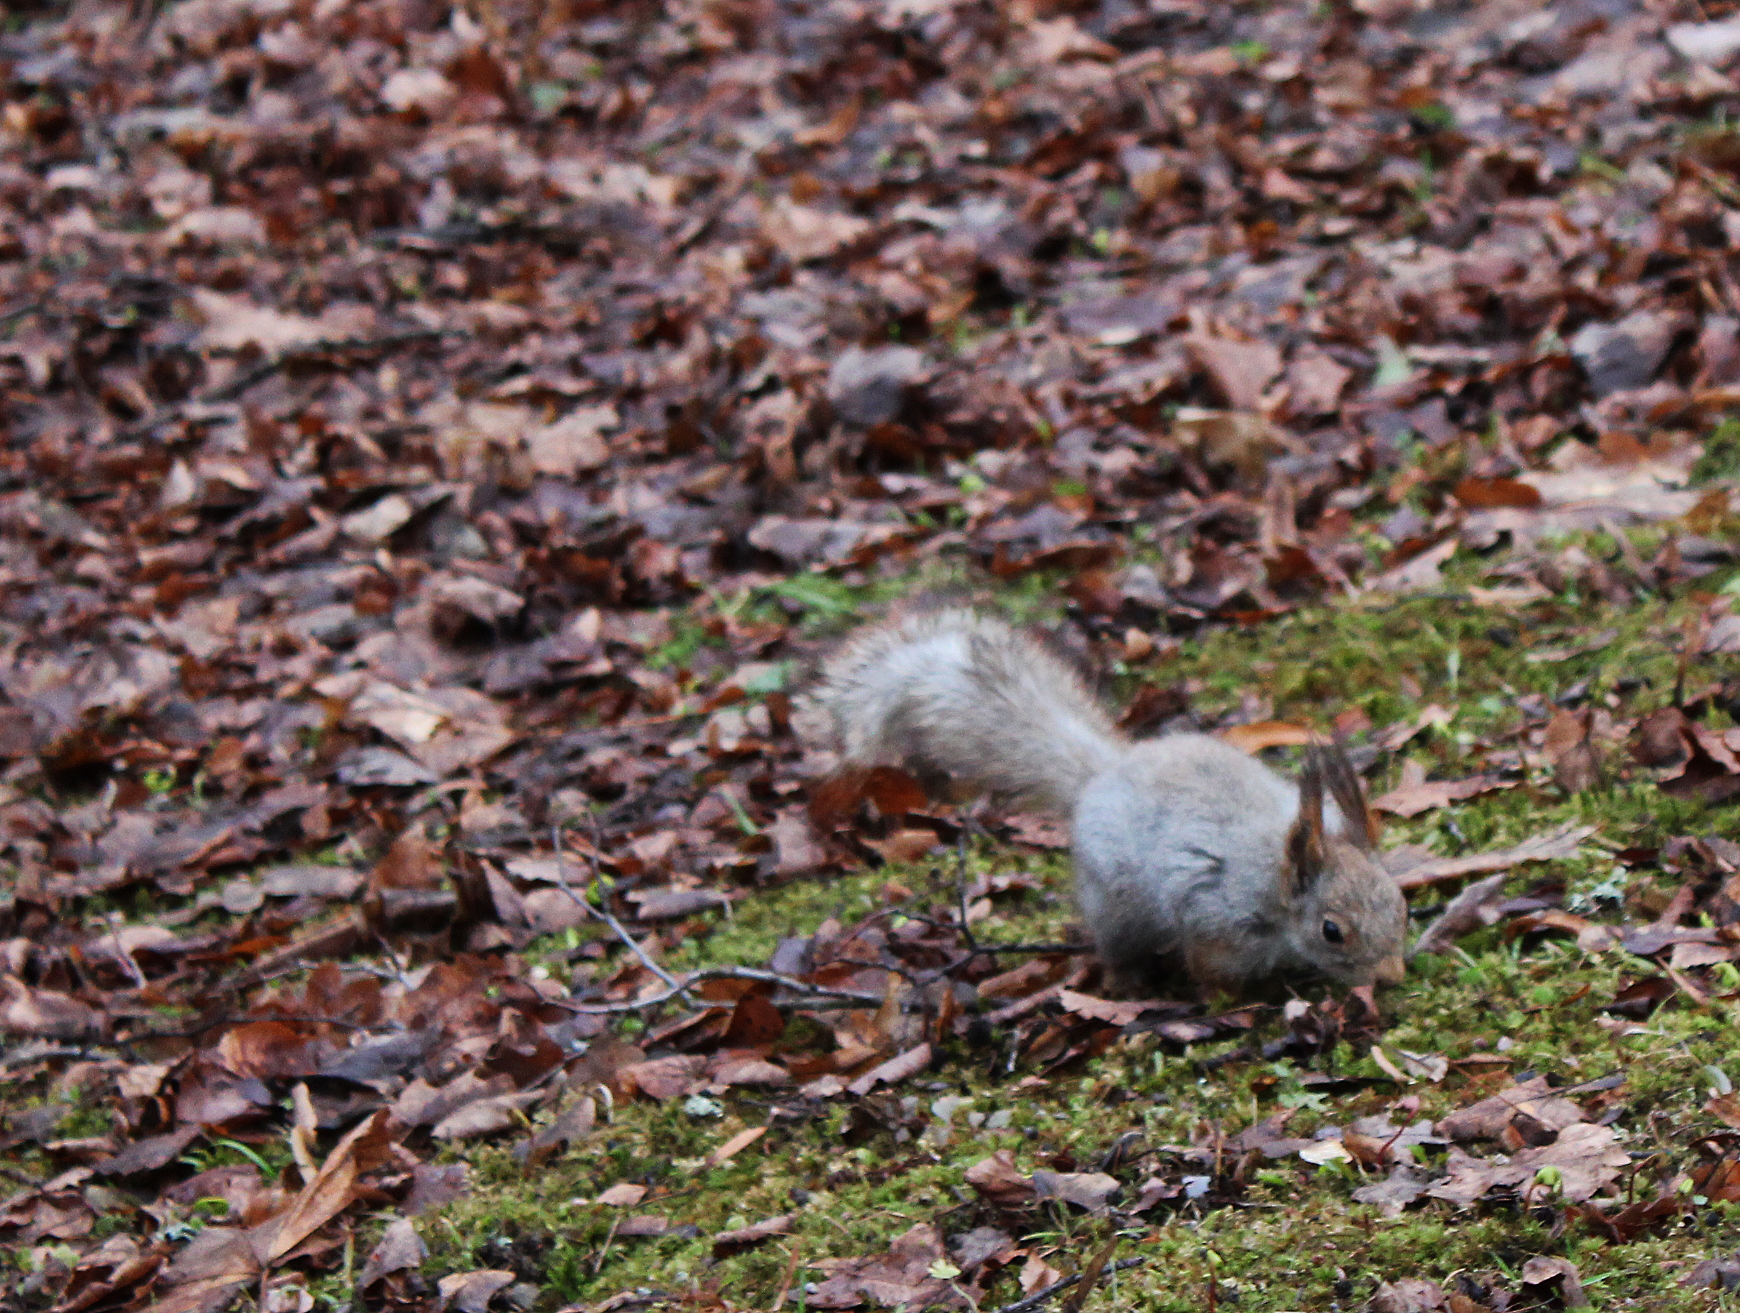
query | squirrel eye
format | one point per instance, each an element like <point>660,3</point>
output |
<point>1332,932</point>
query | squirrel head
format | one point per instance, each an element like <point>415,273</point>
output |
<point>1349,920</point>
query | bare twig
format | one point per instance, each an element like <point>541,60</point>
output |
<point>1090,1275</point>
<point>961,885</point>
<point>23,1057</point>
<point>693,978</point>
<point>818,996</point>
<point>991,950</point>
<point>785,1282</point>
<point>312,350</point>
<point>603,915</point>
<point>604,1249</point>
<point>626,728</point>
<point>123,953</point>
<point>705,216</point>
<point>264,369</point>
<point>1038,1297</point>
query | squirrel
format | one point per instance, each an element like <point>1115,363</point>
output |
<point>1191,857</point>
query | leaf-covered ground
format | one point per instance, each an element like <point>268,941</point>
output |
<point>440,439</point>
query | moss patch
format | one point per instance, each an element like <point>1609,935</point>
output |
<point>854,1182</point>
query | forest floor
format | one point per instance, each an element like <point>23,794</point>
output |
<point>441,440</point>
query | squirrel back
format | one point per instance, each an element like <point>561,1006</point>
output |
<point>952,694</point>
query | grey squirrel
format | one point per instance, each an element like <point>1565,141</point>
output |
<point>1190,856</point>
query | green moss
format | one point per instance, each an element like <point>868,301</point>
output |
<point>756,925</point>
<point>1720,461</point>
<point>1296,1240</point>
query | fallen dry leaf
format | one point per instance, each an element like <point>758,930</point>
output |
<point>471,1292</point>
<point>1562,1272</point>
<point>1412,798</point>
<point>735,1145</point>
<point>731,1242</point>
<point>1266,734</point>
<point>897,1068</point>
<point>1087,1191</point>
<point>1556,845</point>
<point>1409,1295</point>
<point>1000,1181</point>
<point>1584,1158</point>
<point>899,1277</point>
<point>329,1193</point>
<point>1533,1100</point>
<point>1575,759</point>
<point>400,1249</point>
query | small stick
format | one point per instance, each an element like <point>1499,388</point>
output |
<point>694,978</point>
<point>598,1262</point>
<point>603,915</point>
<point>123,953</point>
<point>961,887</point>
<point>1090,1275</point>
<point>1695,629</point>
<point>1038,1297</point>
<point>991,950</point>
<point>785,1283</point>
<point>264,370</point>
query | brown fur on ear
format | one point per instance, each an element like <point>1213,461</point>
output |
<point>1306,849</point>
<point>1348,791</point>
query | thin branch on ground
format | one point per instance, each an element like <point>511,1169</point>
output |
<point>264,369</point>
<point>1090,1275</point>
<point>693,978</point>
<point>991,950</point>
<point>601,914</point>
<point>1039,1297</point>
<point>313,350</point>
<point>23,1057</point>
<point>937,923</point>
<point>815,994</point>
<point>961,842</point>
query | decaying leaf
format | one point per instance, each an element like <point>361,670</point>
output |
<point>1087,1191</point>
<point>1490,1117</point>
<point>1581,1160</point>
<point>1413,797</point>
<point>999,1180</point>
<point>731,1242</point>
<point>1559,1272</point>
<point>902,1276</point>
<point>1555,845</point>
<point>1409,1295</point>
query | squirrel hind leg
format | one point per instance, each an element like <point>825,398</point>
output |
<point>1215,966</point>
<point>1142,975</point>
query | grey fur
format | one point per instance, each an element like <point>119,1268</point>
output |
<point>1190,856</point>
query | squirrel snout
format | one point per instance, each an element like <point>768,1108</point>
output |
<point>1390,971</point>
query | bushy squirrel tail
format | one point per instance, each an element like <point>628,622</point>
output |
<point>958,695</point>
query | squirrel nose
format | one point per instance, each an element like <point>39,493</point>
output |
<point>1390,971</point>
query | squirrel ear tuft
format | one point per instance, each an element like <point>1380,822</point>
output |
<point>1306,850</point>
<point>1348,791</point>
